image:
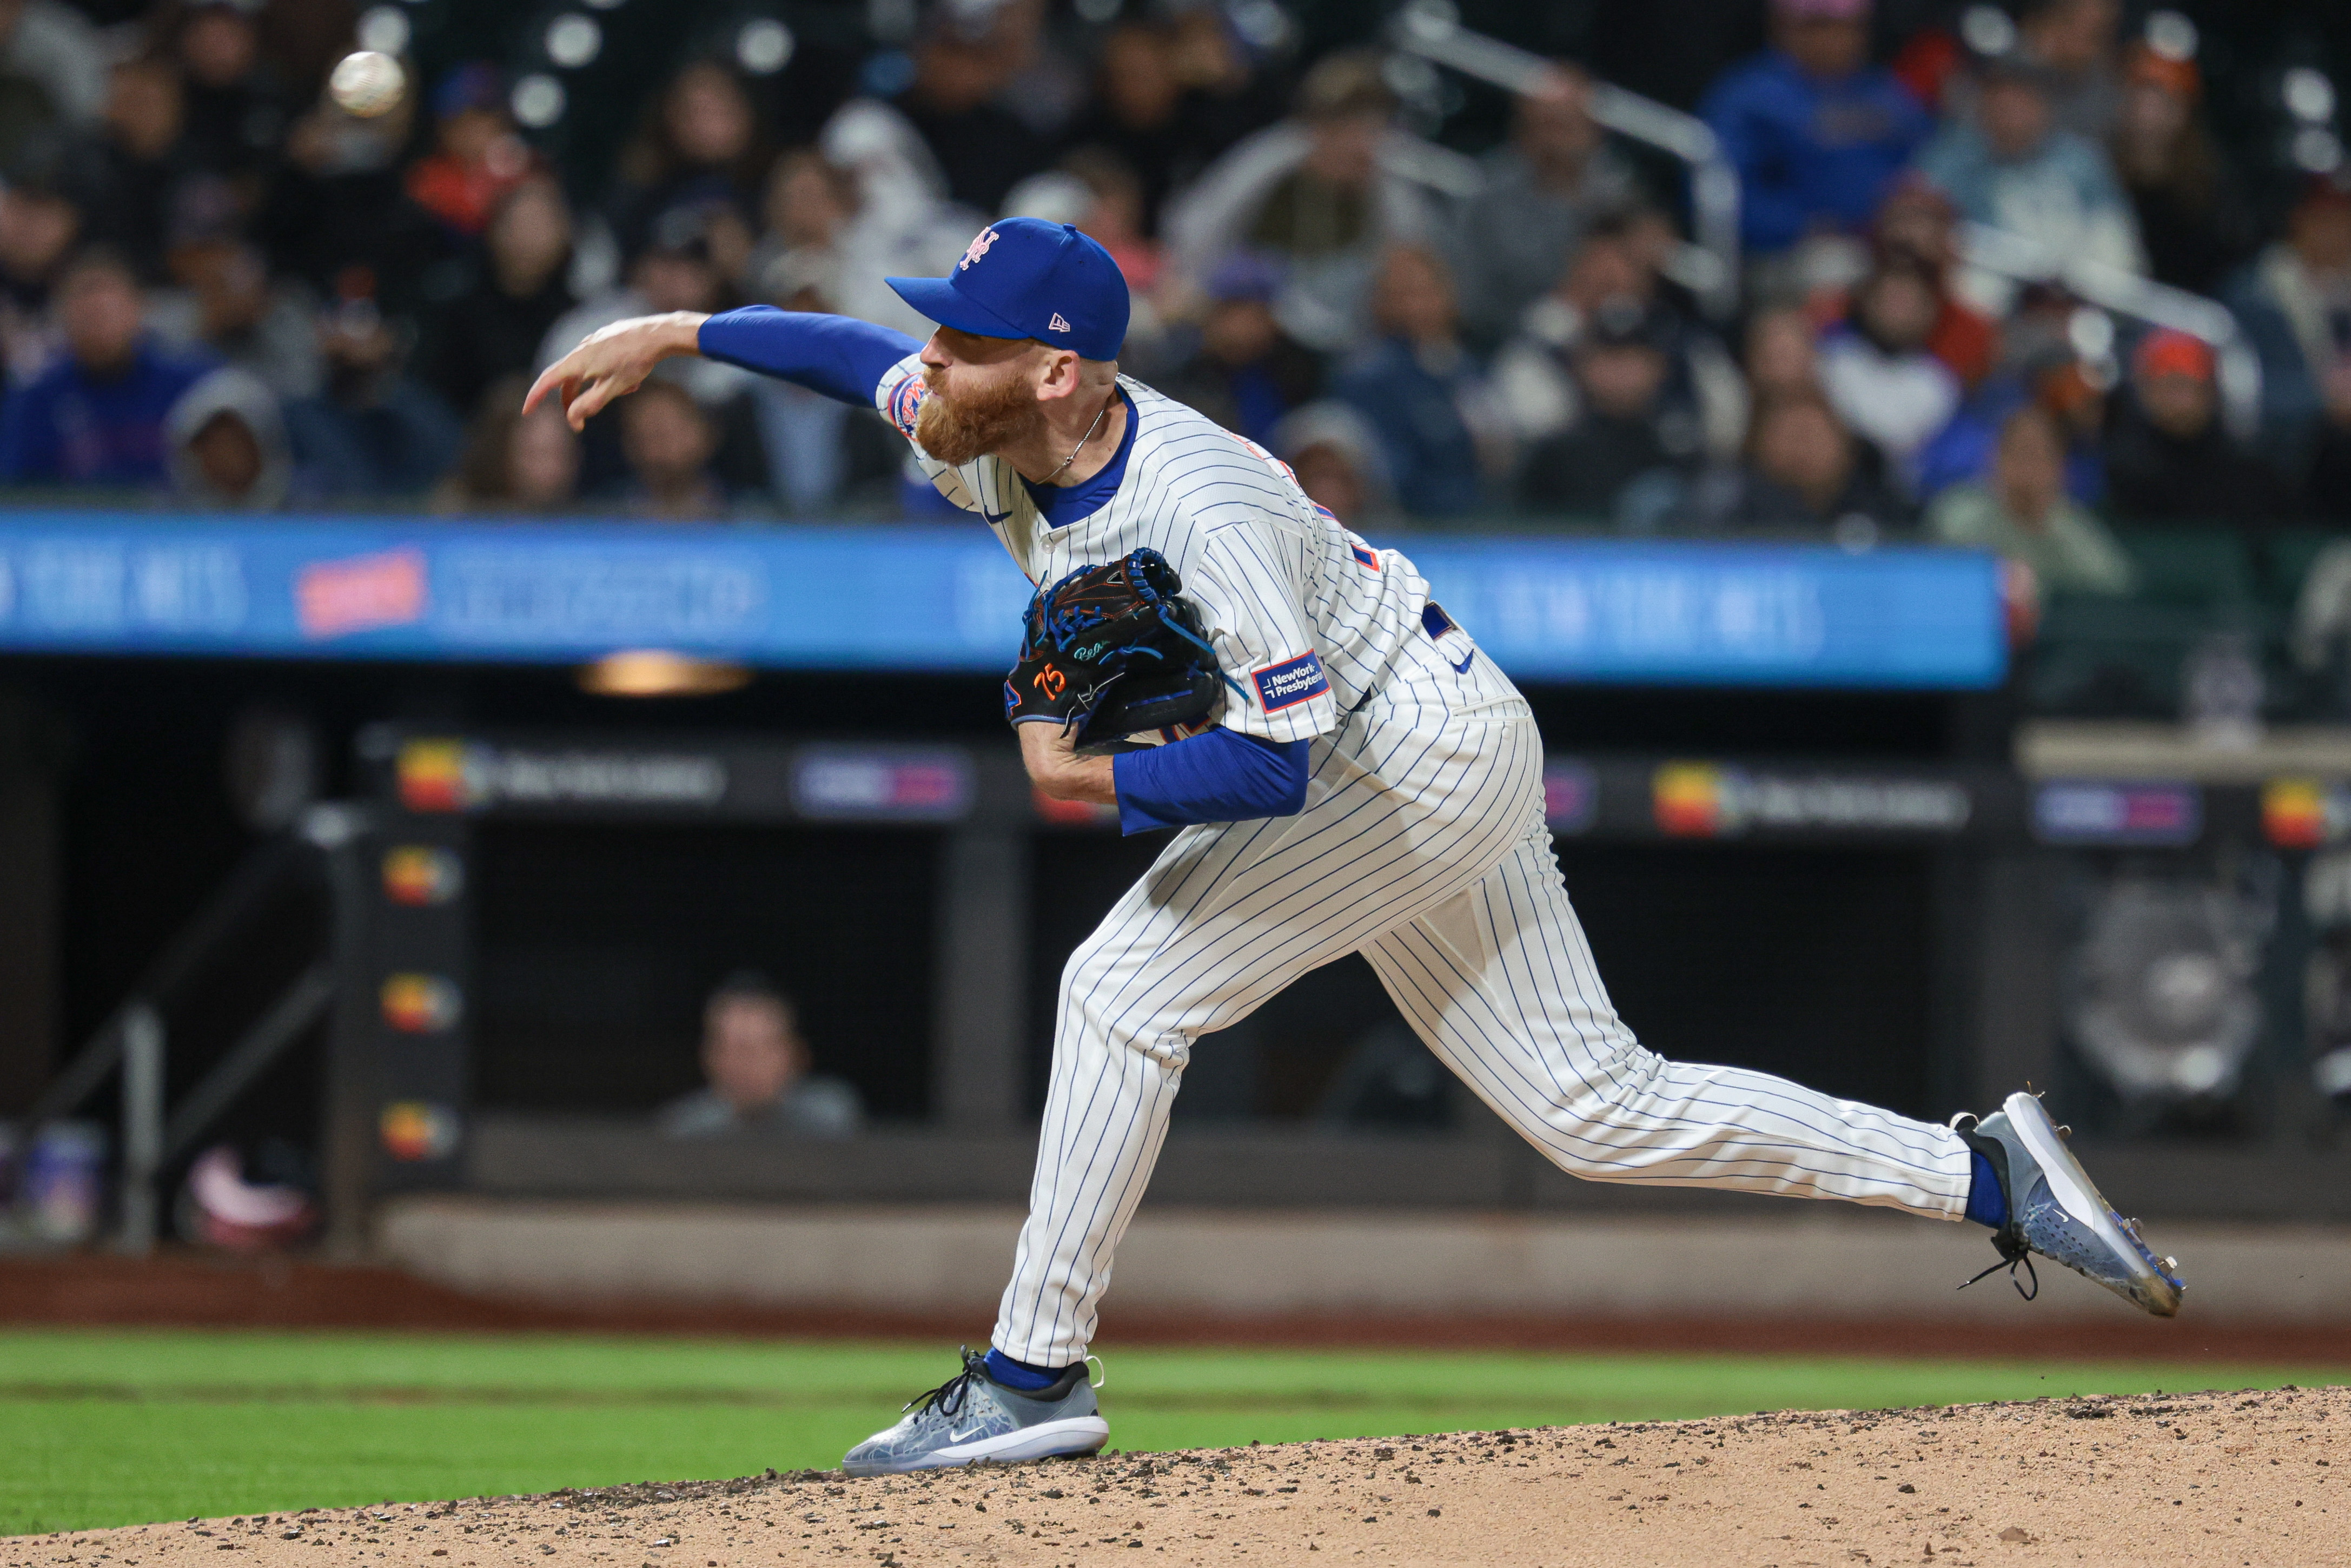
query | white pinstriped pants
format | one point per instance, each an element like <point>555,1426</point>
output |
<point>1427,851</point>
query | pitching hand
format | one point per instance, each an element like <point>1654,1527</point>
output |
<point>614,362</point>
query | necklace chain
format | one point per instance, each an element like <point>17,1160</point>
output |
<point>1089,435</point>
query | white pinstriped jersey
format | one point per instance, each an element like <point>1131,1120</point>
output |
<point>1421,846</point>
<point>1304,615</point>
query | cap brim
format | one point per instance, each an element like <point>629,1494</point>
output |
<point>938,300</point>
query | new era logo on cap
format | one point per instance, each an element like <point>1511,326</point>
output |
<point>1057,324</point>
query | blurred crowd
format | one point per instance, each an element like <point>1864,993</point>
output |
<point>219,286</point>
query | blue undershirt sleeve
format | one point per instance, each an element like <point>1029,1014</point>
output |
<point>1217,775</point>
<point>838,356</point>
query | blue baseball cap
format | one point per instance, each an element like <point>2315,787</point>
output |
<point>1024,277</point>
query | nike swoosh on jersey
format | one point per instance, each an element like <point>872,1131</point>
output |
<point>1463,667</point>
<point>994,516</point>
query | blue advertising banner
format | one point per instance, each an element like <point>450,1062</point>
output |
<point>939,597</point>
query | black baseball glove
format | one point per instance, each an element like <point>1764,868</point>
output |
<point>1115,651</point>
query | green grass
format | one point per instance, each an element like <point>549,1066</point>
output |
<point>119,1426</point>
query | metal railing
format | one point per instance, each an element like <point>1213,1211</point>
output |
<point>135,1039</point>
<point>1710,267</point>
<point>2027,260</point>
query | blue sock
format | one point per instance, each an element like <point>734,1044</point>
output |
<point>1020,1374</point>
<point>1987,1205</point>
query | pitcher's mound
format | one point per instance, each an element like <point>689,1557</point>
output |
<point>2222,1479</point>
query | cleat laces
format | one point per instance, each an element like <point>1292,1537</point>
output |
<point>948,1397</point>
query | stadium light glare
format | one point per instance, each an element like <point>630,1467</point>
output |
<point>658,673</point>
<point>573,40</point>
<point>2308,94</point>
<point>384,29</point>
<point>537,101</point>
<point>764,47</point>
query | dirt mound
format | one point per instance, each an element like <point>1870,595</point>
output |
<point>2220,1478</point>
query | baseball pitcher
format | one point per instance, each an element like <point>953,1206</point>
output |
<point>1343,770</point>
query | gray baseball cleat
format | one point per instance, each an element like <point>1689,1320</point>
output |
<point>2055,1210</point>
<point>972,1417</point>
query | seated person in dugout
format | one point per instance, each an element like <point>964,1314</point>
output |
<point>755,1071</point>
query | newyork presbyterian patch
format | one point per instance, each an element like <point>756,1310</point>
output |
<point>1289,682</point>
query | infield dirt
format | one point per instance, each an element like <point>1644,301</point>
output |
<point>2223,1479</point>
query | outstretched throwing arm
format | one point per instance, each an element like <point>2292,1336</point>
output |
<point>836,355</point>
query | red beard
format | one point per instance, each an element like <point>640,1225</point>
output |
<point>957,431</point>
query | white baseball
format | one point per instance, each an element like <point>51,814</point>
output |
<point>367,83</point>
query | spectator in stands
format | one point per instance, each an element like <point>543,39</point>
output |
<point>1237,365</point>
<point>2014,168</point>
<point>1337,457</point>
<point>2192,218</point>
<point>808,205</point>
<point>1114,215</point>
<point>1535,386</point>
<point>1419,389</point>
<point>371,430</point>
<point>1327,191</point>
<point>52,74</point>
<point>1918,225</point>
<point>2073,44</point>
<point>139,162</point>
<point>510,296</point>
<point>756,1064</point>
<point>338,214</point>
<point>964,61</point>
<point>39,226</point>
<point>898,224</point>
<point>236,110</point>
<point>699,148</point>
<point>2168,456</point>
<point>2326,479</point>
<point>514,462</point>
<point>96,417</point>
<point>861,209</point>
<point>677,270</point>
<point>2025,515</point>
<point>2047,375</point>
<point>1804,473</point>
<point>229,445</point>
<point>1816,132</point>
<point>669,442</point>
<point>477,158</point>
<point>1160,126</point>
<point>1782,354</point>
<point>2295,305</point>
<point>1625,426</point>
<point>225,303</point>
<point>1878,373</point>
<point>821,455</point>
<point>1544,188</point>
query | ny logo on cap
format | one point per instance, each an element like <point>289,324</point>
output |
<point>977,249</point>
<point>1058,324</point>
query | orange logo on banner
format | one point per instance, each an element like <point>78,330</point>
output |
<point>419,1004</point>
<point>420,875</point>
<point>1687,800</point>
<point>2293,813</point>
<point>433,776</point>
<point>418,1130</point>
